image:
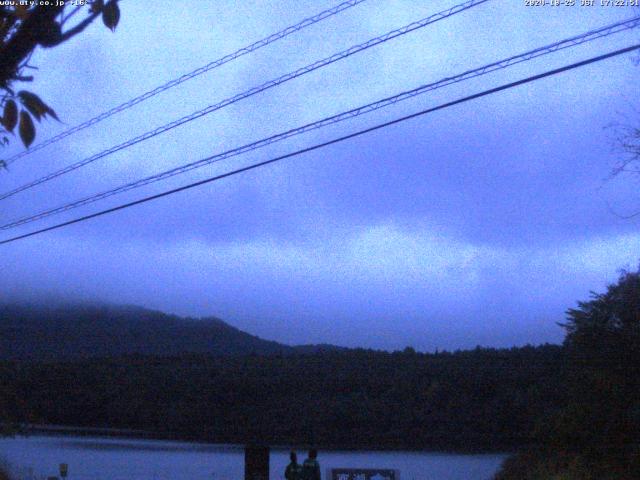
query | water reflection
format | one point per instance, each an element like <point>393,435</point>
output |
<point>116,459</point>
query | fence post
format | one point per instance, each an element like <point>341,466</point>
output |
<point>256,462</point>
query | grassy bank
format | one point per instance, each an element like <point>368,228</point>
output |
<point>553,465</point>
<point>3,473</point>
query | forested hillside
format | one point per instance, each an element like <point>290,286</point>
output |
<point>573,411</point>
<point>81,331</point>
<point>483,399</point>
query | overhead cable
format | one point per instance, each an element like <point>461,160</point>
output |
<point>327,143</point>
<point>253,91</point>
<point>188,76</point>
<point>469,74</point>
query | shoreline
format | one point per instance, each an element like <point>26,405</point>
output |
<point>131,435</point>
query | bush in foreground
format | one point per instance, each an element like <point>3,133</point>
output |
<point>594,434</point>
<point>552,465</point>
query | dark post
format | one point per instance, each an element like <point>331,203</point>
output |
<point>256,462</point>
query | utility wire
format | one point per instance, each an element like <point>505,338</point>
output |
<point>253,91</point>
<point>188,76</point>
<point>507,62</point>
<point>330,142</point>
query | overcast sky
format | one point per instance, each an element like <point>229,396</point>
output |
<point>478,224</point>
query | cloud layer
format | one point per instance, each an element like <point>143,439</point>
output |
<point>480,224</point>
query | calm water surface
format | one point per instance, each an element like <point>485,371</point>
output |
<point>116,459</point>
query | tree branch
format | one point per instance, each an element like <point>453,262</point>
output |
<point>66,18</point>
<point>26,39</point>
<point>78,28</point>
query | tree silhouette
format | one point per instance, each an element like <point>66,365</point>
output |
<point>23,28</point>
<point>594,432</point>
<point>607,327</point>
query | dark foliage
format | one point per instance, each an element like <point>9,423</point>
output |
<point>544,464</point>
<point>595,433</point>
<point>483,399</point>
<point>25,26</point>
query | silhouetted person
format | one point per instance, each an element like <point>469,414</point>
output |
<point>311,467</point>
<point>294,469</point>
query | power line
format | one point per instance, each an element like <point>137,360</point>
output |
<point>330,142</point>
<point>188,76</point>
<point>253,91</point>
<point>501,64</point>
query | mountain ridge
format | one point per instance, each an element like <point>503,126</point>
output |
<point>70,331</point>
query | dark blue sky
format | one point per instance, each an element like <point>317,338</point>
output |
<point>479,224</point>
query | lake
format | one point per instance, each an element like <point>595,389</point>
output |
<point>119,459</point>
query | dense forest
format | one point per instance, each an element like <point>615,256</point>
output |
<point>475,400</point>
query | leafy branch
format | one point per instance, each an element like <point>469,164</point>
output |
<point>22,29</point>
